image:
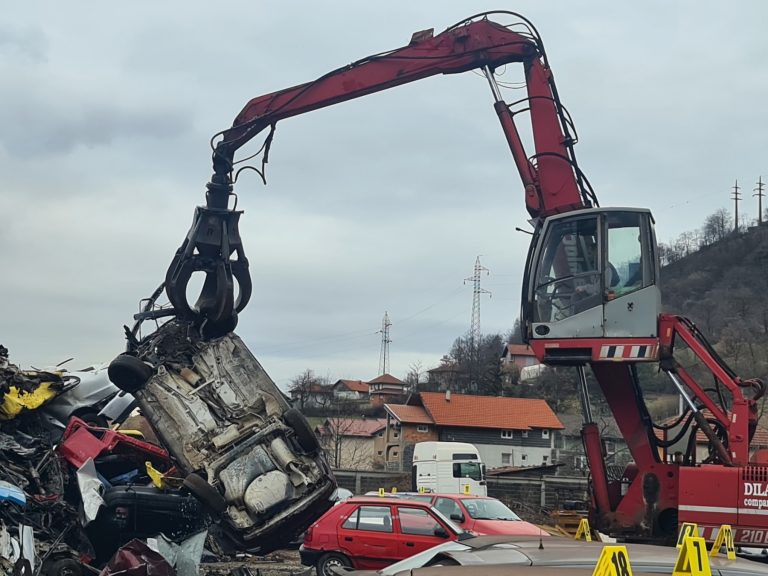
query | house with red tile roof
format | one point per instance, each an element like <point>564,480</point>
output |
<point>406,425</point>
<point>385,388</point>
<point>350,442</point>
<point>506,431</point>
<point>355,390</point>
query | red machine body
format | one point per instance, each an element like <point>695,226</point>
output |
<point>579,308</point>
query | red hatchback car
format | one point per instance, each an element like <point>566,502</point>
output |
<point>368,533</point>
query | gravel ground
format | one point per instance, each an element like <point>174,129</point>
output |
<point>279,563</point>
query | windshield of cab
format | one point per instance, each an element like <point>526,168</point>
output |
<point>481,509</point>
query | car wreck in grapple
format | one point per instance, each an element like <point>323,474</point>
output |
<point>247,455</point>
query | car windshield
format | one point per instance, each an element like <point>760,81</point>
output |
<point>488,509</point>
<point>420,559</point>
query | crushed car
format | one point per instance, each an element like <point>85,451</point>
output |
<point>244,452</point>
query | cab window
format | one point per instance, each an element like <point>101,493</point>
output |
<point>370,518</point>
<point>470,470</point>
<point>627,269</point>
<point>568,280</point>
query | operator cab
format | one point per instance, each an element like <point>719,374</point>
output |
<point>593,273</point>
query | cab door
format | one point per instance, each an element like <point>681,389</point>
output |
<point>368,537</point>
<point>419,530</point>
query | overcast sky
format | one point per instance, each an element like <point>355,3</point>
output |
<point>379,204</point>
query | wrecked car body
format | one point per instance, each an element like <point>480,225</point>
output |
<point>249,457</point>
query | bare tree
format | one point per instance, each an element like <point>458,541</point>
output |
<point>304,388</point>
<point>346,444</point>
<point>415,370</point>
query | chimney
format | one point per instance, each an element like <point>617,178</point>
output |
<point>447,395</point>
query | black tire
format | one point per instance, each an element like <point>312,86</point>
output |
<point>304,435</point>
<point>129,373</point>
<point>326,561</point>
<point>207,494</point>
<point>63,567</point>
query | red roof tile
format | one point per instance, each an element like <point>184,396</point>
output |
<point>519,350</point>
<point>489,412</point>
<point>386,379</point>
<point>353,426</point>
<point>408,414</point>
<point>355,385</point>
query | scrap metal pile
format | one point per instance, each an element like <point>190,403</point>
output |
<point>75,498</point>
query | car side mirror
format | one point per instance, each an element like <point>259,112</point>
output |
<point>457,517</point>
<point>440,532</point>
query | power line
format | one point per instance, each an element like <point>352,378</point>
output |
<point>385,341</point>
<point>759,193</point>
<point>736,197</point>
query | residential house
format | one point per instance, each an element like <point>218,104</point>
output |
<point>384,388</point>
<point>506,431</point>
<point>351,390</point>
<point>569,448</point>
<point>447,376</point>
<point>350,442</point>
<point>522,358</point>
<point>312,395</point>
<point>406,425</point>
<point>521,355</point>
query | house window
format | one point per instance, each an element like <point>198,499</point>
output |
<point>525,433</point>
<point>396,434</point>
<point>524,457</point>
<point>379,452</point>
<point>506,458</point>
<point>544,459</point>
<point>506,434</point>
<point>545,433</point>
<point>422,428</point>
<point>395,453</point>
<point>380,434</point>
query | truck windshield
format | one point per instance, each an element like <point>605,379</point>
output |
<point>472,470</point>
<point>488,509</point>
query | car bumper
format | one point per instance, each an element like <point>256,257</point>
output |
<point>309,557</point>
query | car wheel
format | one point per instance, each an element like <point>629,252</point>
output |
<point>206,493</point>
<point>63,567</point>
<point>332,560</point>
<point>304,435</point>
<point>129,373</point>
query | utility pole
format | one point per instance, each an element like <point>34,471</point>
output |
<point>384,354</point>
<point>759,193</point>
<point>736,199</point>
<point>474,329</point>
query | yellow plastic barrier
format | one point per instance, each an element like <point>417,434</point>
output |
<point>692,559</point>
<point>687,529</point>
<point>613,561</point>
<point>724,538</point>
<point>584,530</point>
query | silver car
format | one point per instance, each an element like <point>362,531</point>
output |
<point>251,458</point>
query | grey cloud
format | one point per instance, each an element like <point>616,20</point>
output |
<point>27,42</point>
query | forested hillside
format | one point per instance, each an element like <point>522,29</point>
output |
<point>723,287</point>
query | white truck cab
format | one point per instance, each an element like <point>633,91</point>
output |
<point>448,468</point>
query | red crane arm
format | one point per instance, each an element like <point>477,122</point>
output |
<point>552,183</point>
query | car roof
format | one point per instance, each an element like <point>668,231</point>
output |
<point>564,552</point>
<point>386,499</point>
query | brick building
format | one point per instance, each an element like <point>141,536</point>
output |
<point>506,431</point>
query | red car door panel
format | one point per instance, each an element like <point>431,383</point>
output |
<point>368,538</point>
<point>417,530</point>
